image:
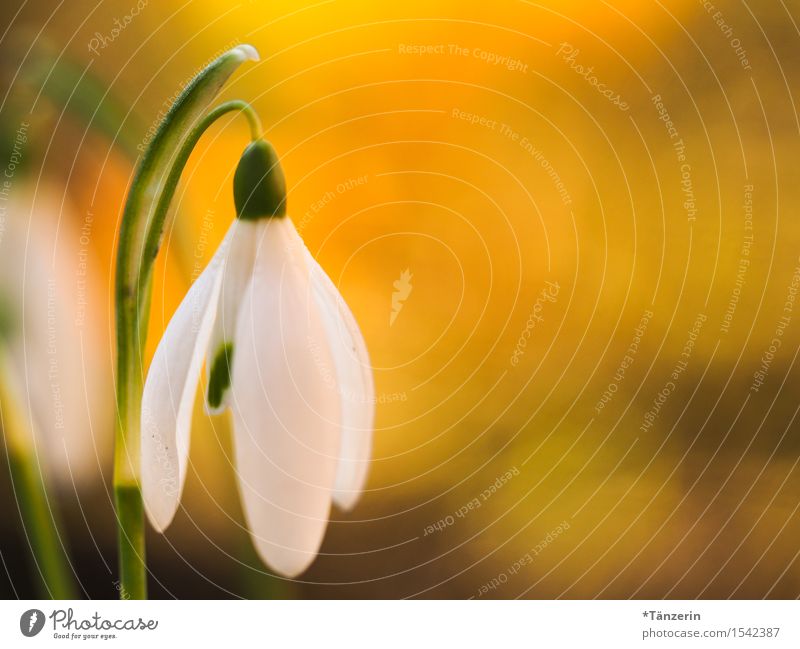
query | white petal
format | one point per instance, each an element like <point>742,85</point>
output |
<point>285,406</point>
<point>169,393</point>
<point>236,274</point>
<point>356,387</point>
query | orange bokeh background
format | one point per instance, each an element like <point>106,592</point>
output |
<point>486,181</point>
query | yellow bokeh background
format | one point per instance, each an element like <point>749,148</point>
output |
<point>486,181</point>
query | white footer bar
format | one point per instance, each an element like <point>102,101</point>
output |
<point>382,624</point>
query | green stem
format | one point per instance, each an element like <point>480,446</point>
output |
<point>133,578</point>
<point>127,497</point>
<point>140,236</point>
<point>38,512</point>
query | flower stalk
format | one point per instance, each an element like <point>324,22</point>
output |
<point>141,232</point>
<point>39,518</point>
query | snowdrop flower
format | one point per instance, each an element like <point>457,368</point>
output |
<point>284,353</point>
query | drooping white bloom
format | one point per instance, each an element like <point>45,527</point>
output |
<point>285,354</point>
<point>53,339</point>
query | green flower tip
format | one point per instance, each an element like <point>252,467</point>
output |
<point>259,188</point>
<point>219,378</point>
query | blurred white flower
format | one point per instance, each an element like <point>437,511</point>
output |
<point>55,343</point>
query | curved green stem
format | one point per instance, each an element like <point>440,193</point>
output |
<point>142,228</point>
<point>153,241</point>
<point>38,512</point>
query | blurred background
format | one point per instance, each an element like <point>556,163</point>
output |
<point>568,230</point>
